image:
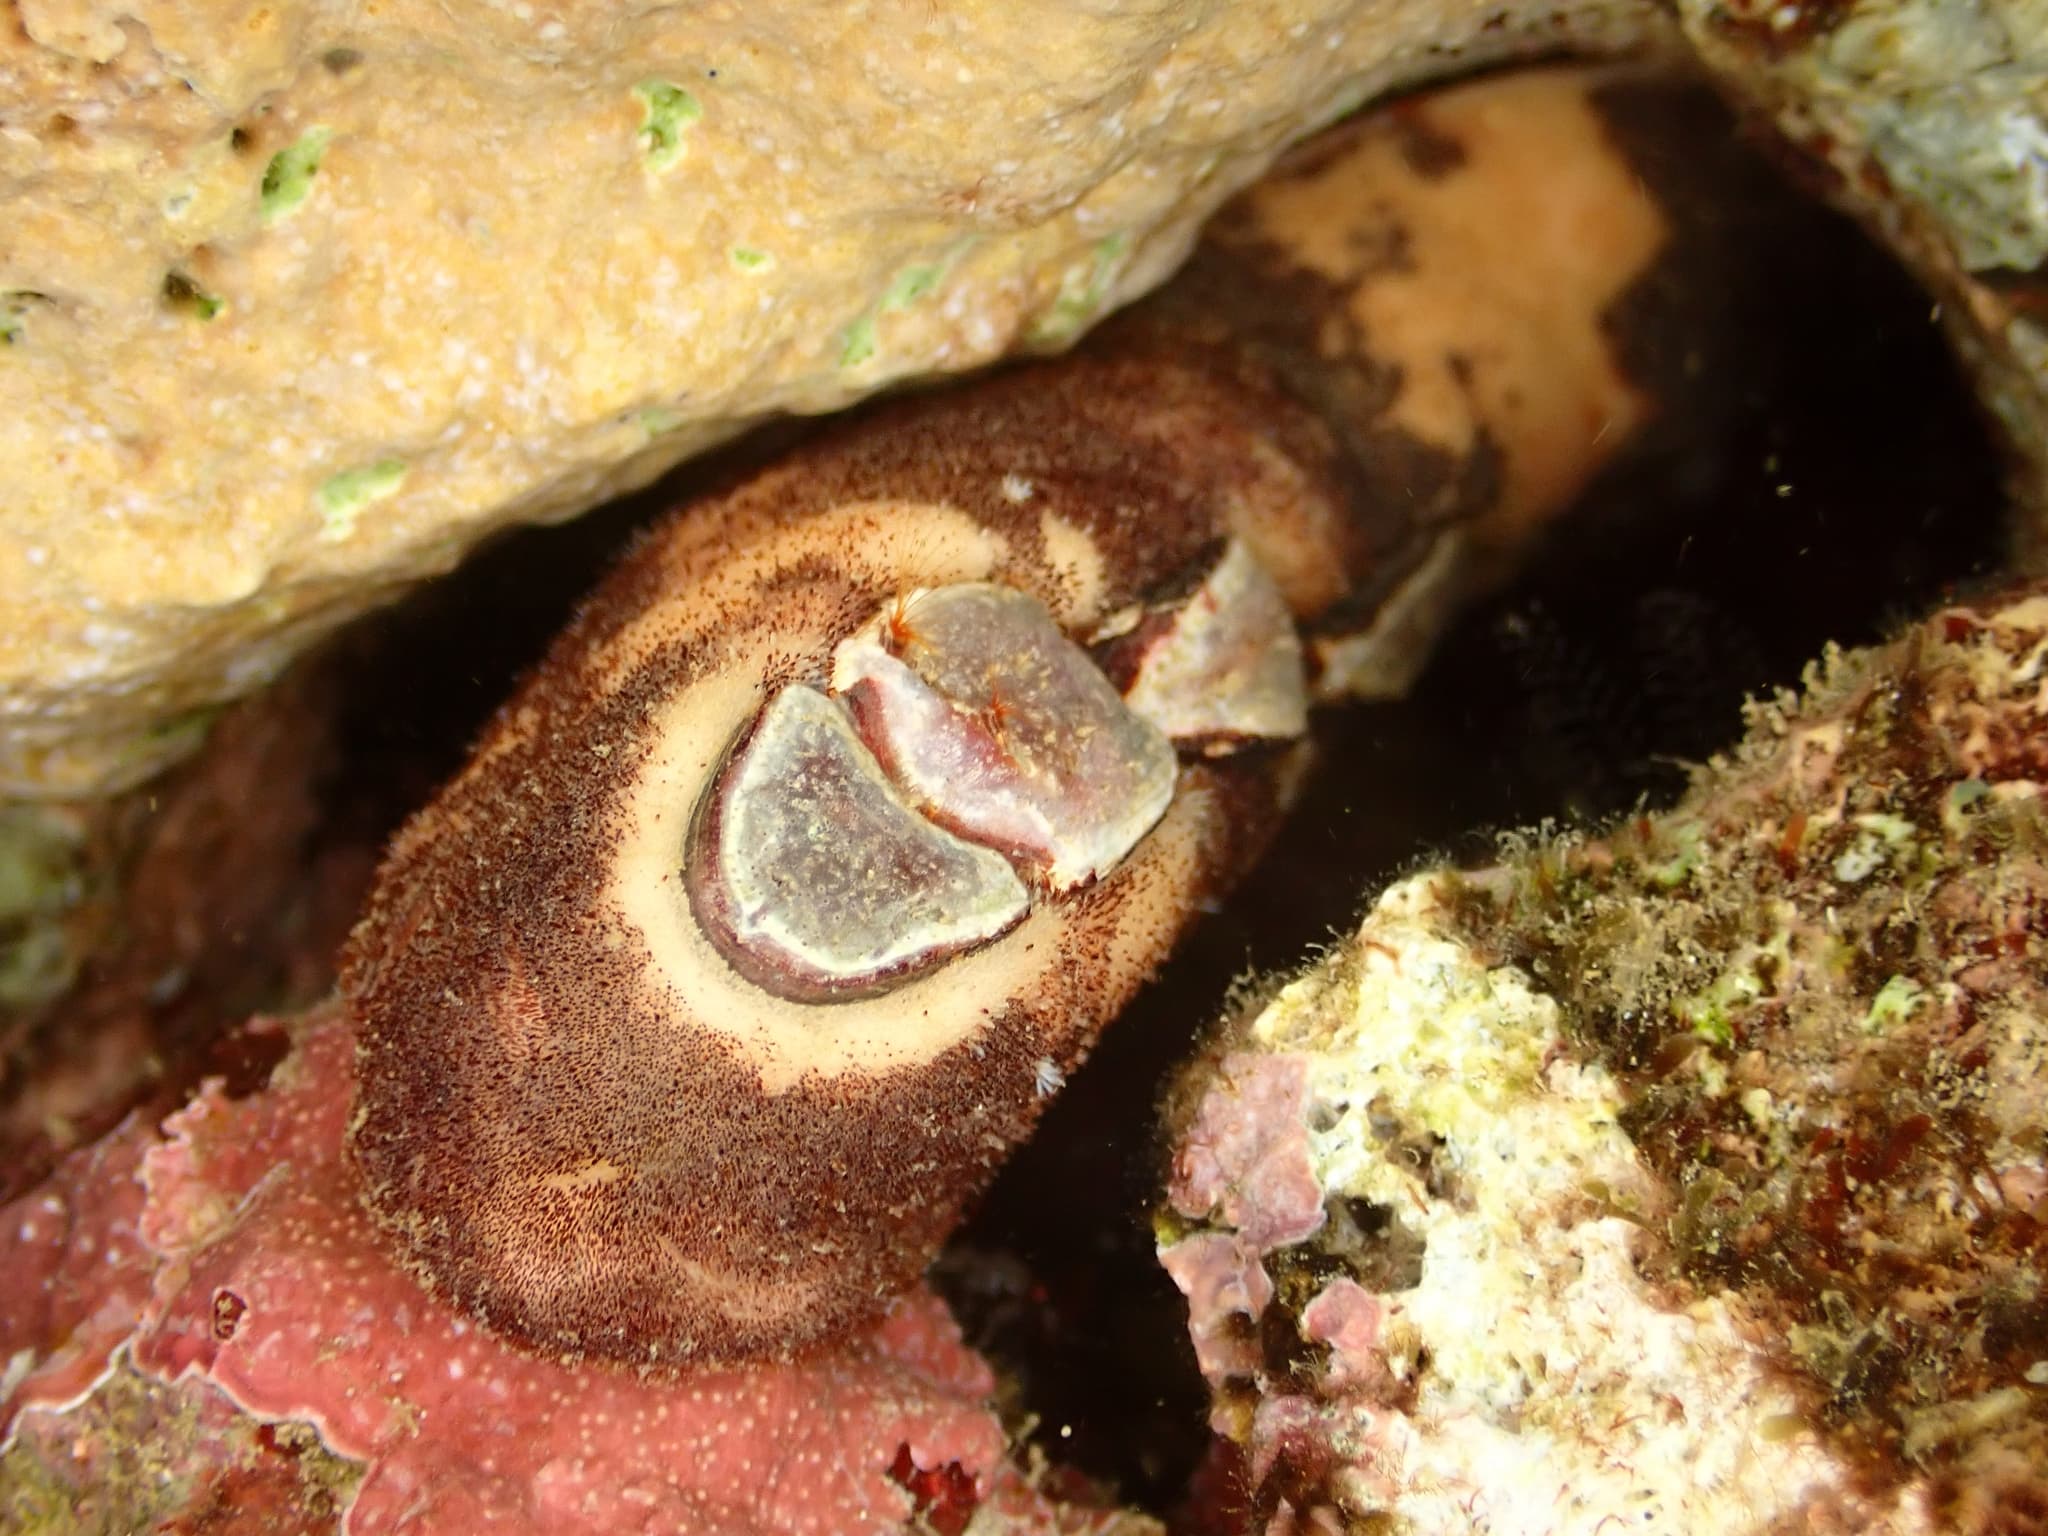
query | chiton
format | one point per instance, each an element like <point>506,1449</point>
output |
<point>692,1012</point>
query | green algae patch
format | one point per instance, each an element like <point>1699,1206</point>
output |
<point>1894,1004</point>
<point>1083,291</point>
<point>912,284</point>
<point>667,113</point>
<point>288,179</point>
<point>183,296</point>
<point>859,344</point>
<point>341,498</point>
<point>1881,838</point>
<point>142,1455</point>
<point>15,305</point>
<point>906,289</point>
<point>42,885</point>
<point>1667,874</point>
<point>1961,800</point>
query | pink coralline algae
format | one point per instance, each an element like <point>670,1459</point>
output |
<point>76,1273</point>
<point>1245,1159</point>
<point>1244,1163</point>
<point>231,1251</point>
<point>1227,1290</point>
<point>1348,1319</point>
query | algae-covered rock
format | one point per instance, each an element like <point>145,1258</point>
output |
<point>1694,1175</point>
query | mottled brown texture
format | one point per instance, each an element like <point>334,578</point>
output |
<point>1438,281</point>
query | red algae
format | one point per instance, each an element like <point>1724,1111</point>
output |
<point>233,1253</point>
<point>77,1273</point>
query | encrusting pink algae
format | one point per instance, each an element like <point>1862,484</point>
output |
<point>231,1251</point>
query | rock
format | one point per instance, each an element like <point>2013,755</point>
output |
<point>294,321</point>
<point>1690,1177</point>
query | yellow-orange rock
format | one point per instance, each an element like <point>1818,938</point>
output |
<point>300,300</point>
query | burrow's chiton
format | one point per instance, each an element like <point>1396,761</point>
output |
<point>694,1010</point>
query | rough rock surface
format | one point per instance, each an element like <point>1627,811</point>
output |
<point>300,301</point>
<point>1689,1178</point>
